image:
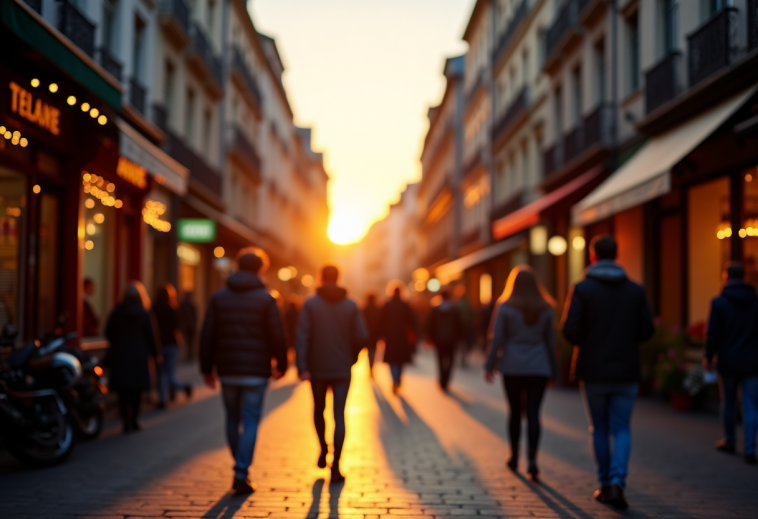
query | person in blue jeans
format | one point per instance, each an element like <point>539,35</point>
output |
<point>168,318</point>
<point>732,339</point>
<point>242,333</point>
<point>606,318</point>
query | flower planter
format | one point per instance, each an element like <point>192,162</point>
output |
<point>681,402</point>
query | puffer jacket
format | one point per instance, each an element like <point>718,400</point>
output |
<point>242,330</point>
<point>733,330</point>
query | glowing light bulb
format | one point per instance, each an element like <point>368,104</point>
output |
<point>94,113</point>
<point>89,203</point>
<point>24,142</point>
<point>71,100</point>
<point>720,235</point>
<point>118,204</point>
<point>99,218</point>
<point>102,120</point>
<point>35,82</point>
<point>89,245</point>
<point>85,107</point>
<point>36,189</point>
<point>53,87</point>
<point>219,252</point>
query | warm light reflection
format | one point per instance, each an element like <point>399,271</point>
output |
<point>219,252</point>
<point>307,281</point>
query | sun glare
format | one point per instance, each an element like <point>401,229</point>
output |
<point>346,229</point>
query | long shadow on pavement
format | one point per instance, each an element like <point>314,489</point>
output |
<point>226,507</point>
<point>335,491</point>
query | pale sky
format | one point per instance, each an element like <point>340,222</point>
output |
<point>363,74</point>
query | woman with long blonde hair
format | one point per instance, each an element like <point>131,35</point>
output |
<point>523,339</point>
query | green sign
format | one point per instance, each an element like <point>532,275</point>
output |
<point>196,230</point>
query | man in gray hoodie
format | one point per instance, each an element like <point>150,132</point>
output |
<point>330,334</point>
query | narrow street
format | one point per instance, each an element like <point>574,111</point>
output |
<point>422,453</point>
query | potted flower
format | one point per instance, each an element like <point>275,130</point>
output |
<point>675,378</point>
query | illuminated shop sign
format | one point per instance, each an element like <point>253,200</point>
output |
<point>36,111</point>
<point>196,230</point>
<point>131,172</point>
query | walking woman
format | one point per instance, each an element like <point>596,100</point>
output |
<point>398,326</point>
<point>524,340</point>
<point>130,333</point>
<point>168,319</point>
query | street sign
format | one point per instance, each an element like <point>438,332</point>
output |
<point>193,230</point>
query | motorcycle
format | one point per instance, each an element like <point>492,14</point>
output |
<point>35,424</point>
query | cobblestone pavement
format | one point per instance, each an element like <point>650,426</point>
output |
<point>420,454</point>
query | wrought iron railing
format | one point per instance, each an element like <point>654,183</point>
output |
<point>137,95</point>
<point>160,117</point>
<point>245,148</point>
<point>518,16</point>
<point>76,27</point>
<point>239,63</point>
<point>35,4</point>
<point>573,143</point>
<point>203,49</point>
<point>564,21</point>
<point>598,126</point>
<point>712,46</point>
<point>178,10</point>
<point>109,63</point>
<point>199,169</point>
<point>663,81</point>
<point>518,105</point>
<point>752,24</point>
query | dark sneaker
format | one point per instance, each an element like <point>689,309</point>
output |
<point>322,459</point>
<point>750,459</point>
<point>242,486</point>
<point>533,471</point>
<point>337,476</point>
<point>723,446</point>
<point>601,494</point>
<point>513,463</point>
<point>616,498</point>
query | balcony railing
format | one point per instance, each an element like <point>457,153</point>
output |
<point>35,4</point>
<point>137,95</point>
<point>510,31</point>
<point>564,21</point>
<point>752,24</point>
<point>160,117</point>
<point>242,146</point>
<point>712,46</point>
<point>518,106</point>
<point>202,48</point>
<point>76,27</point>
<point>662,82</point>
<point>177,13</point>
<point>552,159</point>
<point>573,143</point>
<point>240,65</point>
<point>598,126</point>
<point>109,63</point>
<point>199,169</point>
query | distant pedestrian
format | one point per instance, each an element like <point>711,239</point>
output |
<point>607,318</point>
<point>398,326</point>
<point>732,338</point>
<point>330,334</point>
<point>291,314</point>
<point>188,311</point>
<point>372,314</point>
<point>91,324</point>
<point>523,349</point>
<point>444,330</point>
<point>467,322</point>
<point>169,321</point>
<point>241,334</point>
<point>129,331</point>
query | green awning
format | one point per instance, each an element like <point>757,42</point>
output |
<point>23,25</point>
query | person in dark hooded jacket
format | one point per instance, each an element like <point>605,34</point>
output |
<point>131,344</point>
<point>398,327</point>
<point>445,330</point>
<point>241,333</point>
<point>606,319</point>
<point>732,338</point>
<point>330,334</point>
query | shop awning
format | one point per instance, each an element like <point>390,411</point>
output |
<point>450,271</point>
<point>167,172</point>
<point>647,175</point>
<point>529,215</point>
<point>38,34</point>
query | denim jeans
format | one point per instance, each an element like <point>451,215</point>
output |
<point>167,372</point>
<point>244,406</point>
<point>396,370</point>
<point>729,387</point>
<point>340,389</point>
<point>609,410</point>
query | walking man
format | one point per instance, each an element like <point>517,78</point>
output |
<point>733,339</point>
<point>330,334</point>
<point>242,332</point>
<point>398,328</point>
<point>607,318</point>
<point>373,316</point>
<point>444,330</point>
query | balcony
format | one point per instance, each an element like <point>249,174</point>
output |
<point>662,82</point>
<point>200,171</point>
<point>76,27</point>
<point>712,47</point>
<point>35,4</point>
<point>752,24</point>
<point>109,63</point>
<point>564,22</point>
<point>552,159</point>
<point>598,126</point>
<point>137,95</point>
<point>243,73</point>
<point>244,151</point>
<point>510,31</point>
<point>518,107</point>
<point>203,58</point>
<point>174,16</point>
<point>595,129</point>
<point>160,117</point>
<point>573,143</point>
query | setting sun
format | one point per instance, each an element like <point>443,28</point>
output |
<point>346,228</point>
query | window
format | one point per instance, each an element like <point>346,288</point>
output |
<point>190,122</point>
<point>211,18</point>
<point>714,6</point>
<point>600,75</point>
<point>525,66</point>
<point>207,121</point>
<point>558,113</point>
<point>576,87</point>
<point>633,53</point>
<point>138,48</point>
<point>109,24</point>
<point>669,26</point>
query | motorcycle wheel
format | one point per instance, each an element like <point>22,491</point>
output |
<point>48,442</point>
<point>91,427</point>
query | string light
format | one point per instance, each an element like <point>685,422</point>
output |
<point>102,120</point>
<point>35,82</point>
<point>219,252</point>
<point>99,218</point>
<point>85,107</point>
<point>71,100</point>
<point>24,142</point>
<point>89,203</point>
<point>89,245</point>
<point>36,189</point>
<point>94,113</point>
<point>152,213</point>
<point>53,87</point>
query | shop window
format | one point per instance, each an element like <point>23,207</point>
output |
<point>47,281</point>
<point>12,214</point>
<point>99,245</point>
<point>750,225</point>
<point>709,236</point>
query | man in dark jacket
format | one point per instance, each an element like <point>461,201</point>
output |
<point>398,328</point>
<point>444,330</point>
<point>607,318</point>
<point>330,334</point>
<point>242,332</point>
<point>373,317</point>
<point>733,338</point>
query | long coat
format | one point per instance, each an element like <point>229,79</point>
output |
<point>398,327</point>
<point>132,342</point>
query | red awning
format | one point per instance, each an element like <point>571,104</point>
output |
<point>530,214</point>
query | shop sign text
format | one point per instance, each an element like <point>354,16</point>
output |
<point>38,112</point>
<point>131,172</point>
<point>196,230</point>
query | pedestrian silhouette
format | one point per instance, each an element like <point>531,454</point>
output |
<point>467,322</point>
<point>523,349</point>
<point>732,338</point>
<point>444,330</point>
<point>188,311</point>
<point>330,334</point>
<point>169,322</point>
<point>398,327</point>
<point>241,333</point>
<point>606,319</point>
<point>372,315</point>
